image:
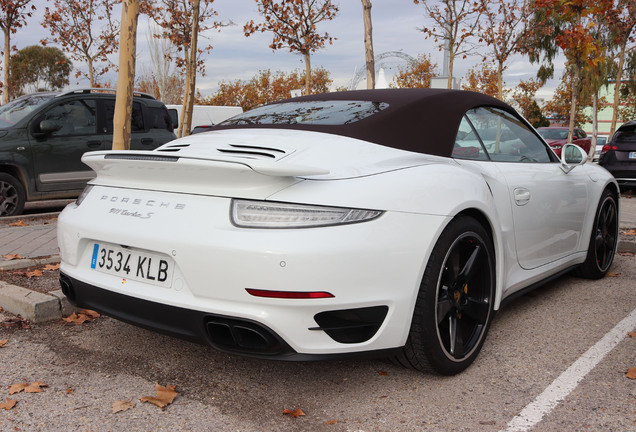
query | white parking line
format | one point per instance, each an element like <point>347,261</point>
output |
<point>568,380</point>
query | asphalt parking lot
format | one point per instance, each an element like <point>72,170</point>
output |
<point>555,360</point>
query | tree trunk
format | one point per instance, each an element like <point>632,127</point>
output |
<point>191,74</point>
<point>7,64</point>
<point>590,155</point>
<point>368,43</point>
<point>617,89</point>
<point>307,73</point>
<point>500,81</point>
<point>451,60</point>
<point>575,92</point>
<point>91,77</point>
<point>126,75</point>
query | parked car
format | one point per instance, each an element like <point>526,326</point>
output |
<point>619,155</point>
<point>557,137</point>
<point>44,135</point>
<point>391,221</point>
<point>601,140</point>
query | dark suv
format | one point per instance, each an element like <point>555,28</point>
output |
<point>619,155</point>
<point>44,135</point>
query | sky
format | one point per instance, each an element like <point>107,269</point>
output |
<point>234,56</point>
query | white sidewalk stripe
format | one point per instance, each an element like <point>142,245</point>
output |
<point>568,380</point>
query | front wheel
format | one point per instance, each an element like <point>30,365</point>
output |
<point>454,306</point>
<point>12,196</point>
<point>603,240</point>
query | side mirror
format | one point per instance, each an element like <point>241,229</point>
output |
<point>571,157</point>
<point>48,127</point>
<point>174,116</point>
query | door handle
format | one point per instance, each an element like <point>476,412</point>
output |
<point>522,196</point>
<point>94,144</point>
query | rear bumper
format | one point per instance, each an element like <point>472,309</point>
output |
<point>226,334</point>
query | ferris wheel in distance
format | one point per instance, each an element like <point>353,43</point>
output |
<point>387,61</point>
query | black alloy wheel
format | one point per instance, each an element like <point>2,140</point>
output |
<point>12,196</point>
<point>454,307</point>
<point>603,239</point>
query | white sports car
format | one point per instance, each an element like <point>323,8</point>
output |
<point>387,221</point>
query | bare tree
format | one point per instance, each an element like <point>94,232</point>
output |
<point>13,15</point>
<point>456,21</point>
<point>161,53</point>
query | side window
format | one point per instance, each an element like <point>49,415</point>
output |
<point>74,117</point>
<point>137,124</point>
<point>160,118</point>
<point>506,138</point>
<point>467,144</point>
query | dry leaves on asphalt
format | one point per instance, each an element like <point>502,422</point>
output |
<point>122,405</point>
<point>3,342</point>
<point>631,373</point>
<point>83,316</point>
<point>19,223</point>
<point>610,274</point>
<point>630,232</point>
<point>34,387</point>
<point>295,413</point>
<point>17,322</point>
<point>165,396</point>
<point>10,403</point>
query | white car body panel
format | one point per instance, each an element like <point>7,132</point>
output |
<point>176,202</point>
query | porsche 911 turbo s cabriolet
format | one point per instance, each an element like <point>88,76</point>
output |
<point>393,222</point>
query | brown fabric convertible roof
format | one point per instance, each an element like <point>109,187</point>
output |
<point>418,120</point>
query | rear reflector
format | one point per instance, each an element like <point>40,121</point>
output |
<point>289,294</point>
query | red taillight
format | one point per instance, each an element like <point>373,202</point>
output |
<point>608,147</point>
<point>289,294</point>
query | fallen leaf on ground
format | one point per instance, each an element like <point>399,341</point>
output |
<point>631,373</point>
<point>165,396</point>
<point>295,413</point>
<point>3,342</point>
<point>34,273</point>
<point>52,266</point>
<point>331,422</point>
<point>80,318</point>
<point>10,403</point>
<point>610,274</point>
<point>10,257</point>
<point>34,387</point>
<point>17,321</point>
<point>122,405</point>
<point>383,373</point>
<point>630,232</point>
<point>19,223</point>
<point>70,390</point>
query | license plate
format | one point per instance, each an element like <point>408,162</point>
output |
<point>133,264</point>
<point>632,155</point>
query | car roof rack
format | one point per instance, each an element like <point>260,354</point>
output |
<point>103,90</point>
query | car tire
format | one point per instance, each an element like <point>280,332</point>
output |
<point>458,286</point>
<point>603,239</point>
<point>12,195</point>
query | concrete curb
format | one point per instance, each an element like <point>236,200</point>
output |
<point>28,262</point>
<point>32,305</point>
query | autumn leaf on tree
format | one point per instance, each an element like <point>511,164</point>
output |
<point>19,223</point>
<point>295,413</point>
<point>122,405</point>
<point>3,342</point>
<point>80,318</point>
<point>34,387</point>
<point>165,396</point>
<point>10,403</point>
